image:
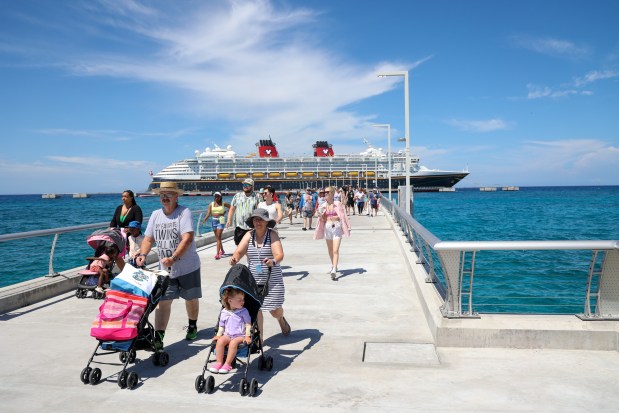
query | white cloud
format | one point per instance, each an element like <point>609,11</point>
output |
<point>490,125</point>
<point>594,76</point>
<point>550,46</point>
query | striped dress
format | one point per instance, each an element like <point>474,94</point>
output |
<point>255,255</point>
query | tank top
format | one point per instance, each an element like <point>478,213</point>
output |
<point>215,209</point>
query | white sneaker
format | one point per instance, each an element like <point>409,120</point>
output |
<point>99,290</point>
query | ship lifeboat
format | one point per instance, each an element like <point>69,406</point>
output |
<point>336,174</point>
<point>369,173</point>
<point>324,174</point>
<point>275,174</point>
<point>353,173</point>
<point>292,174</point>
<point>224,176</point>
<point>308,174</point>
<point>258,174</point>
<point>241,175</point>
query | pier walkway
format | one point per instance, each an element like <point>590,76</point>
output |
<point>361,343</point>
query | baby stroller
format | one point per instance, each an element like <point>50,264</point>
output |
<point>240,277</point>
<point>98,240</point>
<point>120,328</point>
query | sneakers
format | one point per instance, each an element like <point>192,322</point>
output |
<point>99,290</point>
<point>215,368</point>
<point>333,274</point>
<point>304,229</point>
<point>225,369</point>
<point>221,253</point>
<point>192,333</point>
<point>217,256</point>
<point>158,341</point>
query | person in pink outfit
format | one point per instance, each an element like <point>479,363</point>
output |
<point>332,225</point>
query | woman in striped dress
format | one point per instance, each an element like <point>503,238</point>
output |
<point>264,250</point>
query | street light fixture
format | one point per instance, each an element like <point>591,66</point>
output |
<point>388,126</point>
<point>407,150</point>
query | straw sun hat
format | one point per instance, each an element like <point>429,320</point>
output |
<point>168,187</point>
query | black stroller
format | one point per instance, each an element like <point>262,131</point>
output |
<point>145,339</point>
<point>240,277</point>
<point>98,240</point>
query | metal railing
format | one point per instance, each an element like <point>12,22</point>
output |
<point>459,270</point>
<point>56,232</point>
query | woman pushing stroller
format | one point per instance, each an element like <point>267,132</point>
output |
<point>264,250</point>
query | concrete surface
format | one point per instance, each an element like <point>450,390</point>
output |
<point>366,342</point>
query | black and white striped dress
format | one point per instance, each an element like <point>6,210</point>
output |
<point>255,255</point>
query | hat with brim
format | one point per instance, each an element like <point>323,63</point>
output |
<point>217,194</point>
<point>168,187</point>
<point>263,214</point>
<point>248,181</point>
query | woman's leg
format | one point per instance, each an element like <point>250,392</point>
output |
<point>283,324</point>
<point>335,246</point>
<point>220,246</point>
<point>330,249</point>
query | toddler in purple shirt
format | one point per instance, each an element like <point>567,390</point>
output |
<point>234,328</point>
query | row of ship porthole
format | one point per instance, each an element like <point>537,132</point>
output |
<point>294,174</point>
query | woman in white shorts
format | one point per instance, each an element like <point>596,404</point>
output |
<point>332,225</point>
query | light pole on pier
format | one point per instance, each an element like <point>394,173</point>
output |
<point>407,150</point>
<point>388,126</point>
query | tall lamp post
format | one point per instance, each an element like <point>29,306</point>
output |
<point>407,150</point>
<point>388,126</point>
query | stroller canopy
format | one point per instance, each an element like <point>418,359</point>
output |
<point>240,277</point>
<point>101,237</point>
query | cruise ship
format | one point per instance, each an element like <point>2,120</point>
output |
<point>220,169</point>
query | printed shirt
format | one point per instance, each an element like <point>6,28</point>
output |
<point>244,205</point>
<point>167,231</point>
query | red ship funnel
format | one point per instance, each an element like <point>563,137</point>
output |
<point>267,149</point>
<point>322,149</point>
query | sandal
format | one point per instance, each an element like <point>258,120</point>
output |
<point>286,329</point>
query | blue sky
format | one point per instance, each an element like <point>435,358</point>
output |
<point>95,94</point>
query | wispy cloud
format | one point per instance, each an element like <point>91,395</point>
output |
<point>594,76</point>
<point>261,68</point>
<point>574,87</point>
<point>490,125</point>
<point>110,134</point>
<point>550,46</point>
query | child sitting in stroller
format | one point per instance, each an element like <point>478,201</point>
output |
<point>102,266</point>
<point>234,329</point>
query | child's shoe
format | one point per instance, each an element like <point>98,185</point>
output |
<point>225,369</point>
<point>215,368</point>
<point>99,289</point>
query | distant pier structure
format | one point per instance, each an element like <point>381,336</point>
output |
<point>511,188</point>
<point>50,196</point>
<point>80,195</point>
<point>488,189</point>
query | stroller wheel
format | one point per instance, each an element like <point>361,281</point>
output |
<point>269,363</point>
<point>132,380</point>
<point>200,383</point>
<point>78,293</point>
<point>85,375</point>
<point>122,356</point>
<point>243,387</point>
<point>122,379</point>
<point>132,356</point>
<point>261,363</point>
<point>95,376</point>
<point>210,384</point>
<point>253,387</point>
<point>156,359</point>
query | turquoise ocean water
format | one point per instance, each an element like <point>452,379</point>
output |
<point>533,213</point>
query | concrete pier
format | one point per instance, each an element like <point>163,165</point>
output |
<point>369,342</point>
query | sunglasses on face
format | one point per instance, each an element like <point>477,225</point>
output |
<point>166,196</point>
<point>246,186</point>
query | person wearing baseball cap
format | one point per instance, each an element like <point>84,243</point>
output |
<point>241,208</point>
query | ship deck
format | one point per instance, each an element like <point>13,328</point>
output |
<point>362,343</point>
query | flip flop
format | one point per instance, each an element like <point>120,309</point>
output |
<point>286,330</point>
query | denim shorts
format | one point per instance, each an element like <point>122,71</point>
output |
<point>333,230</point>
<point>218,223</point>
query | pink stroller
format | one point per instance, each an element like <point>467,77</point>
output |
<point>99,240</point>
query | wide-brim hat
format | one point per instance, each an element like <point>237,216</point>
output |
<point>263,214</point>
<point>248,181</point>
<point>168,187</point>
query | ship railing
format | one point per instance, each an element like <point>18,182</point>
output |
<point>56,232</point>
<point>579,277</point>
